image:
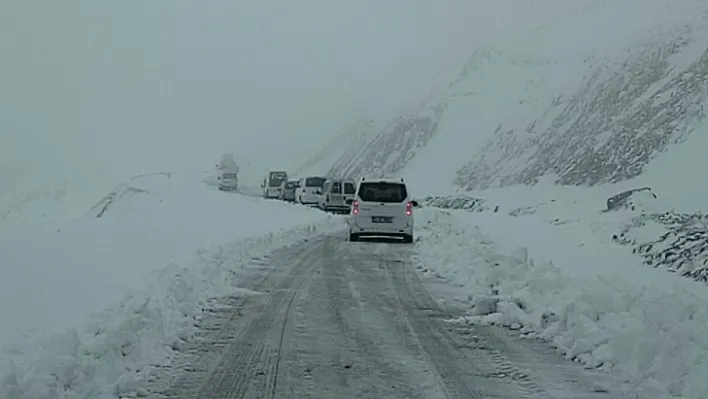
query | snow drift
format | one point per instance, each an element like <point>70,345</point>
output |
<point>598,307</point>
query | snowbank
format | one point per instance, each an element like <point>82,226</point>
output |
<point>93,305</point>
<point>600,308</point>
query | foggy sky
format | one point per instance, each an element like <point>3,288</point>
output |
<point>138,86</point>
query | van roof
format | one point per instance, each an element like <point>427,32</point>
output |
<point>383,180</point>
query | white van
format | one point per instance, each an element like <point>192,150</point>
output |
<point>228,181</point>
<point>382,207</point>
<point>336,195</point>
<point>287,190</point>
<point>272,183</point>
<point>308,188</point>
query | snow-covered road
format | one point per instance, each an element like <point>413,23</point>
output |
<point>330,318</point>
<point>193,290</point>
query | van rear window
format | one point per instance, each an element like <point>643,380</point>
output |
<point>314,181</point>
<point>275,182</point>
<point>349,188</point>
<point>382,192</point>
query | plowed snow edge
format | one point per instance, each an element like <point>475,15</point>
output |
<point>126,345</point>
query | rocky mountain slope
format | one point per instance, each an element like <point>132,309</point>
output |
<point>588,99</point>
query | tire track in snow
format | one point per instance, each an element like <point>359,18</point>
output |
<point>249,367</point>
<point>462,366</point>
<point>338,320</point>
<point>235,321</point>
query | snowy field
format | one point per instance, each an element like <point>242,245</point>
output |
<point>88,304</point>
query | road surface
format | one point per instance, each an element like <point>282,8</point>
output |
<point>333,319</point>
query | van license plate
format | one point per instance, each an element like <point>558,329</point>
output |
<point>381,219</point>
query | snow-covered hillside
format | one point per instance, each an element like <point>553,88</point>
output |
<point>591,97</point>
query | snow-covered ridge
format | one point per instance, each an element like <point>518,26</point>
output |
<point>614,125</point>
<point>129,188</point>
<point>388,151</point>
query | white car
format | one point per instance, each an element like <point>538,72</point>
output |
<point>336,195</point>
<point>307,192</point>
<point>382,208</point>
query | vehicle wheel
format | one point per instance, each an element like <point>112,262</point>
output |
<point>408,239</point>
<point>353,237</point>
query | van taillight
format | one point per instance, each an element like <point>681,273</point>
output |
<point>355,207</point>
<point>409,209</point>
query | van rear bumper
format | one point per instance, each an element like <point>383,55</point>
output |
<point>338,208</point>
<point>272,193</point>
<point>370,234</point>
<point>381,230</point>
<point>381,233</point>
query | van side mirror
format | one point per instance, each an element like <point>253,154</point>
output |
<point>349,201</point>
<point>415,203</point>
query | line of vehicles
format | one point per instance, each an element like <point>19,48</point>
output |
<point>376,207</point>
<point>328,194</point>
